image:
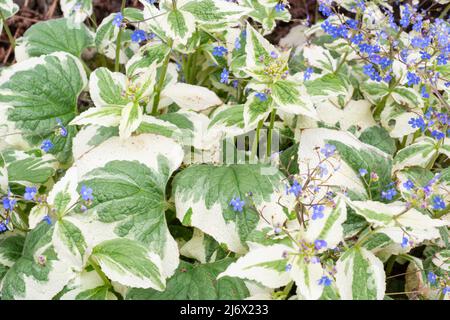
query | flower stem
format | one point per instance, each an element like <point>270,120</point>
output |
<point>100,272</point>
<point>162,78</point>
<point>269,136</point>
<point>118,41</point>
<point>8,31</point>
<point>256,141</point>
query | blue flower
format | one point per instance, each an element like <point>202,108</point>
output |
<point>328,150</point>
<point>408,185</point>
<point>224,76</point>
<point>288,267</point>
<point>62,131</point>
<point>261,96</point>
<point>446,290</point>
<point>352,24</point>
<point>138,36</point>
<point>325,9</point>
<point>424,92</point>
<point>86,193</point>
<point>237,43</point>
<point>373,74</point>
<point>425,55</point>
<point>324,281</point>
<point>237,204</point>
<point>357,39</point>
<point>3,227</point>
<point>362,172</point>
<point>412,78</point>
<point>417,123</point>
<point>118,18</point>
<point>295,189</point>
<point>442,60</point>
<point>308,72</point>
<point>318,212</point>
<point>47,219</point>
<point>46,145</point>
<point>274,55</point>
<point>438,135</point>
<point>280,7</point>
<point>30,193</point>
<point>388,194</point>
<point>438,203</point>
<point>219,51</point>
<point>405,242</point>
<point>319,244</point>
<point>9,203</point>
<point>431,277</point>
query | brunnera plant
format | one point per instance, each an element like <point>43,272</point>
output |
<point>173,152</point>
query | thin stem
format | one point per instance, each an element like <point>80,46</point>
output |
<point>8,31</point>
<point>256,141</point>
<point>100,272</point>
<point>269,137</point>
<point>118,41</point>
<point>162,78</point>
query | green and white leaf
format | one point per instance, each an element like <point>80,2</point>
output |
<point>38,274</point>
<point>54,35</point>
<point>26,169</point>
<point>8,9</point>
<point>34,113</point>
<point>87,285</point>
<point>129,181</point>
<point>352,155</point>
<point>264,265</point>
<point>190,97</point>
<point>196,282</point>
<point>292,98</point>
<point>203,192</point>
<point>416,154</point>
<point>256,110</point>
<point>76,10</point>
<point>129,263</point>
<point>360,275</point>
<point>64,195</point>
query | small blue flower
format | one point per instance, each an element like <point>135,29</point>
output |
<point>62,131</point>
<point>405,242</point>
<point>328,150</point>
<point>9,203</point>
<point>442,60</point>
<point>318,212</point>
<point>408,185</point>
<point>388,194</point>
<point>274,55</point>
<point>324,8</point>
<point>319,244</point>
<point>288,267</point>
<point>46,145</point>
<point>418,123</point>
<point>438,135</point>
<point>295,189</point>
<point>362,172</point>
<point>30,193</point>
<point>424,92</point>
<point>446,290</point>
<point>47,219</point>
<point>431,277</point>
<point>219,51</point>
<point>138,36</point>
<point>237,204</point>
<point>118,18</point>
<point>3,227</point>
<point>280,7</point>
<point>237,43</point>
<point>352,24</point>
<point>324,281</point>
<point>261,96</point>
<point>308,72</point>
<point>438,203</point>
<point>224,76</point>
<point>412,78</point>
<point>86,193</point>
